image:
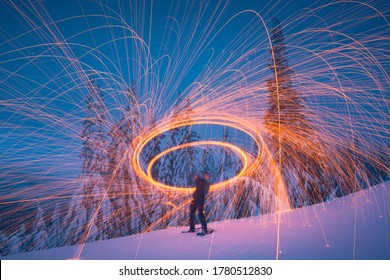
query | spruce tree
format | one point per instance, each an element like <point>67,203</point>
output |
<point>55,228</point>
<point>89,206</point>
<point>4,244</point>
<point>25,238</point>
<point>18,241</point>
<point>129,196</point>
<point>186,166</point>
<point>120,176</point>
<point>153,148</point>
<point>40,237</point>
<point>209,164</point>
<point>179,167</point>
<point>292,139</point>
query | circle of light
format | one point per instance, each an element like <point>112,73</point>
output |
<point>167,124</point>
<point>235,149</point>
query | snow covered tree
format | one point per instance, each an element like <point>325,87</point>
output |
<point>230,164</point>
<point>130,198</point>
<point>89,206</point>
<point>19,241</point>
<point>55,229</point>
<point>209,164</point>
<point>4,244</point>
<point>40,238</point>
<point>180,166</point>
<point>292,139</point>
<point>153,148</point>
<point>377,174</point>
<point>158,205</point>
<point>119,176</point>
<point>14,244</point>
<point>25,238</point>
<point>286,108</point>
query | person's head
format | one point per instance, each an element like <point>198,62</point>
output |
<point>206,176</point>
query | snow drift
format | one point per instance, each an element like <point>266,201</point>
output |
<point>352,227</point>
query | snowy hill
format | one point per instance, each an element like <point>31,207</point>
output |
<point>353,227</point>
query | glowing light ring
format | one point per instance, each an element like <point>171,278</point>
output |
<point>224,120</point>
<point>237,150</point>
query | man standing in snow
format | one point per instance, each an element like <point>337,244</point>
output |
<point>199,197</point>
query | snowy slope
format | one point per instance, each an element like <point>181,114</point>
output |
<point>353,227</point>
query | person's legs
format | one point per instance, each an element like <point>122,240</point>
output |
<point>202,219</point>
<point>192,217</point>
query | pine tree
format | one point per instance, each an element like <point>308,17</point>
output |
<point>15,243</point>
<point>159,206</point>
<point>208,163</point>
<point>117,180</point>
<point>4,244</point>
<point>187,165</point>
<point>55,229</point>
<point>40,238</point>
<point>25,238</point>
<point>180,165</point>
<point>286,108</point>
<point>89,205</point>
<point>130,198</point>
<point>230,165</point>
<point>168,165</point>
<point>18,241</point>
<point>292,139</point>
<point>154,148</point>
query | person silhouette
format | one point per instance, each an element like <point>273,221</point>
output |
<point>199,197</point>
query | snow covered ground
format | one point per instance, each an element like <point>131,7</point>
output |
<point>353,227</point>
